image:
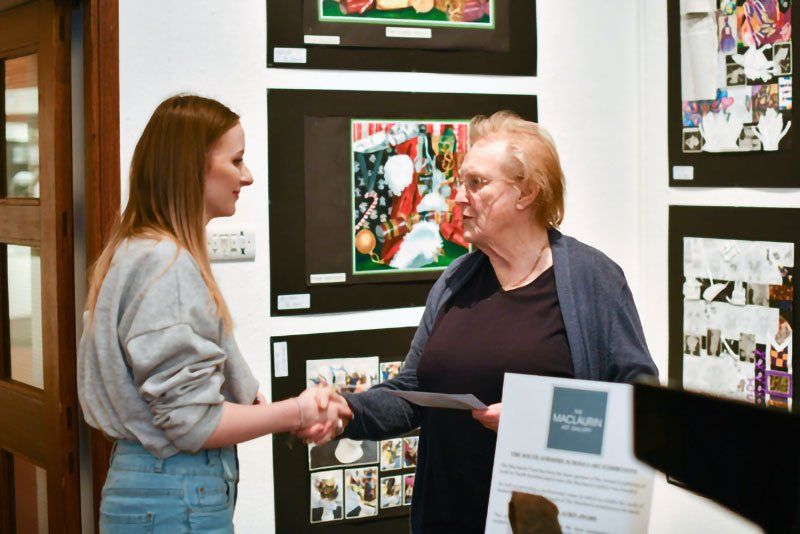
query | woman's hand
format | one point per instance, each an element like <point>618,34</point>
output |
<point>328,414</point>
<point>490,417</point>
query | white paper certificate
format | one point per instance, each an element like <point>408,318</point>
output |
<point>570,441</point>
<point>461,401</point>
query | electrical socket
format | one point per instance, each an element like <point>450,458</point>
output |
<point>231,243</point>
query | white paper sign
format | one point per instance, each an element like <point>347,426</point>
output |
<point>327,278</point>
<point>290,55</point>
<point>300,301</point>
<point>280,355</point>
<point>461,401</point>
<point>409,33</point>
<point>321,39</point>
<point>570,441</point>
<point>682,172</point>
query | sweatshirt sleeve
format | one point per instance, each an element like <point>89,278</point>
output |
<point>179,374</point>
<point>378,415</point>
<point>173,348</point>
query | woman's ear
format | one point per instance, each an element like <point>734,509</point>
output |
<point>527,196</point>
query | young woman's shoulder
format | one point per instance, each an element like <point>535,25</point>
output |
<point>147,255</point>
<point>163,281</point>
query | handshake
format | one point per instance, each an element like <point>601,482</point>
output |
<point>323,416</point>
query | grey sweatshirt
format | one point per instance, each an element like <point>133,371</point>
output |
<point>155,364</point>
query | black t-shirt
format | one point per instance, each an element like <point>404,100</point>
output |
<point>482,333</point>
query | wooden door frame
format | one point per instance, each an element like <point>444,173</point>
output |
<point>49,36</point>
<point>44,421</point>
<point>102,175</point>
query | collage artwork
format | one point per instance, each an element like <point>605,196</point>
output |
<point>453,13</point>
<point>736,75</point>
<point>353,479</point>
<point>737,317</point>
<point>403,190</point>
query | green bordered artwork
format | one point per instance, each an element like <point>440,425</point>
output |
<point>476,14</point>
<point>404,175</point>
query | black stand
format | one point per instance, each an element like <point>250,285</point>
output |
<point>739,455</point>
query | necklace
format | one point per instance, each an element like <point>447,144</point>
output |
<point>535,264</point>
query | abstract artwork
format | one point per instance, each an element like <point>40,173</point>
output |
<point>736,61</point>
<point>737,306</point>
<point>732,301</point>
<point>453,13</point>
<point>731,77</point>
<point>404,214</point>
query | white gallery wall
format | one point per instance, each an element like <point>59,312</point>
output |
<point>602,94</point>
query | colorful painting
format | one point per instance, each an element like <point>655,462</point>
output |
<point>736,87</point>
<point>405,218</point>
<point>737,317</point>
<point>453,13</point>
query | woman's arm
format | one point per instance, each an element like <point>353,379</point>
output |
<point>239,422</point>
<point>628,356</point>
<point>376,415</point>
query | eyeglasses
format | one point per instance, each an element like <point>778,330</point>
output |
<point>473,184</point>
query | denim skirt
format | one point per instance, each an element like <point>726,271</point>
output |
<point>183,493</point>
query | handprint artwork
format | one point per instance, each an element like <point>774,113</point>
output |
<point>736,75</point>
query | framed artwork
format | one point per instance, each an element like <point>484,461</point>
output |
<point>731,78</point>
<point>346,484</point>
<point>449,36</point>
<point>733,290</point>
<point>404,215</point>
<point>362,202</point>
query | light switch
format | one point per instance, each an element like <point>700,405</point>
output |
<point>231,243</point>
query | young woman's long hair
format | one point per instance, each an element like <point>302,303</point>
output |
<point>167,177</point>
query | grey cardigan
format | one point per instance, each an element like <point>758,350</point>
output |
<point>603,329</point>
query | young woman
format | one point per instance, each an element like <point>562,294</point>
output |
<point>159,370</point>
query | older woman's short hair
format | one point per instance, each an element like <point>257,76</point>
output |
<point>533,148</point>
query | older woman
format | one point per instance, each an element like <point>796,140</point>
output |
<point>528,300</point>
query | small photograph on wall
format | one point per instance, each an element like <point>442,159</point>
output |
<point>405,218</point>
<point>361,495</point>
<point>391,491</point>
<point>731,77</point>
<point>390,370</point>
<point>408,489</point>
<point>351,375</point>
<point>342,452</point>
<point>410,448</point>
<point>391,454</point>
<point>327,496</point>
<point>732,302</point>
